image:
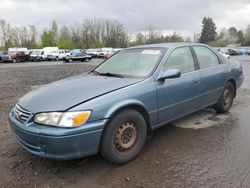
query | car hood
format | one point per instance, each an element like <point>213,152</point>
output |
<point>34,55</point>
<point>64,94</point>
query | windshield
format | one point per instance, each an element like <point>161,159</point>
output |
<point>35,53</point>
<point>12,53</point>
<point>132,62</point>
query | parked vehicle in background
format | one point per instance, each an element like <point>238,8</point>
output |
<point>15,56</point>
<point>36,55</point>
<point>77,57</point>
<point>227,56</point>
<point>58,55</point>
<point>75,51</point>
<point>92,52</point>
<point>114,50</point>
<point>105,52</point>
<point>17,49</point>
<point>45,52</point>
<point>2,53</point>
<point>243,51</point>
<point>248,51</point>
<point>113,108</point>
<point>233,52</point>
<point>224,53</point>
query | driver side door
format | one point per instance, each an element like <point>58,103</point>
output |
<point>179,96</point>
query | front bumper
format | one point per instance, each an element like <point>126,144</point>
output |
<point>35,58</point>
<point>58,143</point>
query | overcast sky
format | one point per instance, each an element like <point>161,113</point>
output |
<point>183,16</point>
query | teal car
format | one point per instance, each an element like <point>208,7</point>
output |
<point>113,108</point>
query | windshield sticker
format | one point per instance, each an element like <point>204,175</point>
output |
<point>151,52</point>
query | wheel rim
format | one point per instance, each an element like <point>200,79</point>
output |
<point>227,96</point>
<point>126,137</point>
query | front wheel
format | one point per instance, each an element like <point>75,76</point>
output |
<point>226,99</point>
<point>124,137</point>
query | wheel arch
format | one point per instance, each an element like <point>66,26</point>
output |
<point>136,105</point>
<point>233,82</point>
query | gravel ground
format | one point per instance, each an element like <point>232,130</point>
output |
<point>202,150</point>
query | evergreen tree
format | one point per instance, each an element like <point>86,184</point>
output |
<point>241,38</point>
<point>208,33</point>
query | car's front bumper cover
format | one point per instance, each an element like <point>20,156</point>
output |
<point>58,143</point>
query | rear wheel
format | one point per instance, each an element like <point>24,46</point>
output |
<point>124,137</point>
<point>226,99</point>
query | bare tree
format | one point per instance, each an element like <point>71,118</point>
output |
<point>5,30</point>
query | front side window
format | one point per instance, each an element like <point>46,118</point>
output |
<point>132,62</point>
<point>206,57</point>
<point>182,59</point>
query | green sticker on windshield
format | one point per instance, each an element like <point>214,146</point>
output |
<point>151,52</point>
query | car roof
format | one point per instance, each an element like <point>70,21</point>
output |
<point>167,45</point>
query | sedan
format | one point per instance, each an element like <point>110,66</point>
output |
<point>77,57</point>
<point>113,108</point>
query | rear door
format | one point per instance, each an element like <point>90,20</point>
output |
<point>213,74</point>
<point>179,96</point>
<point>19,56</point>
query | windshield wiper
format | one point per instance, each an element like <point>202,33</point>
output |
<point>110,74</point>
<point>107,74</point>
<point>96,72</point>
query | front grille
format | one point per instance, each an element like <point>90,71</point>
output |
<point>21,114</point>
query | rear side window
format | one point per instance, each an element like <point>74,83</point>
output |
<point>206,57</point>
<point>182,59</point>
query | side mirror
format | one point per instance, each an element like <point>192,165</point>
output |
<point>170,73</point>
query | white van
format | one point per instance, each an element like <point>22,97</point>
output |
<point>58,55</point>
<point>46,51</point>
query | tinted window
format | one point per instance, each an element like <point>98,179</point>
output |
<point>206,57</point>
<point>182,59</point>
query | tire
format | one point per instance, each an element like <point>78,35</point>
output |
<point>226,99</point>
<point>117,149</point>
<point>14,60</point>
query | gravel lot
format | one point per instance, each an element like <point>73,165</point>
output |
<point>202,150</point>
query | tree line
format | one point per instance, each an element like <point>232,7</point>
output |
<point>97,33</point>
<point>224,37</point>
<point>88,33</point>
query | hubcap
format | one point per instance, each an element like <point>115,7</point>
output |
<point>227,96</point>
<point>125,137</point>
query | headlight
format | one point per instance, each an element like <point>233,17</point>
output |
<point>60,119</point>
